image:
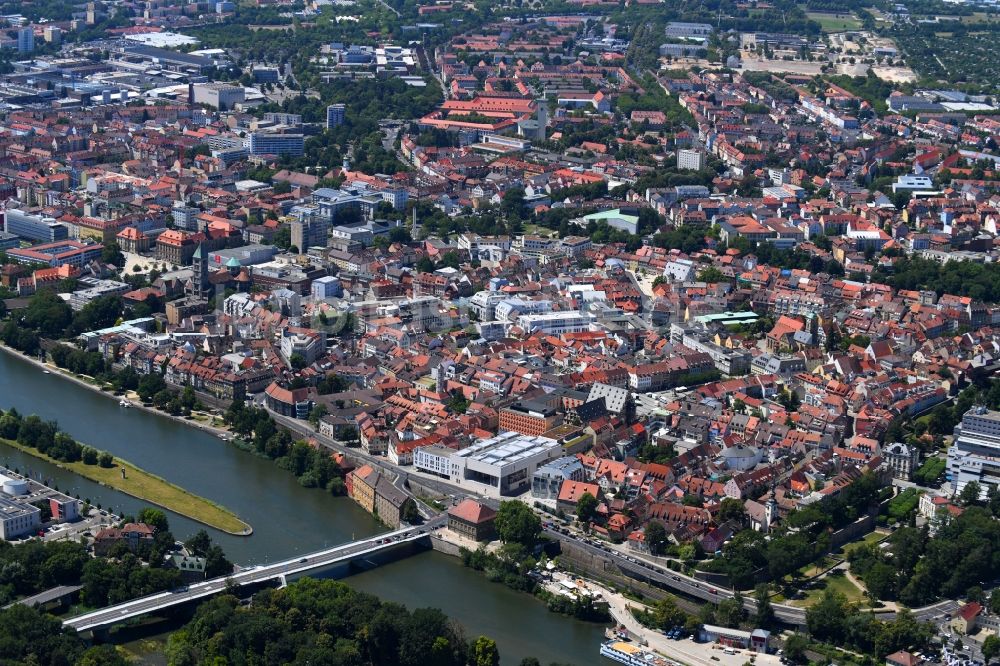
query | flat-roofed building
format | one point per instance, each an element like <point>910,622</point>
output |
<point>529,418</point>
<point>503,465</point>
<point>56,254</point>
<point>18,519</point>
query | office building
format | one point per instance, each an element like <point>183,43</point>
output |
<point>18,519</point>
<point>681,30</point>
<point>25,40</point>
<point>266,143</point>
<point>974,456</point>
<point>8,241</point>
<point>266,74</point>
<point>34,228</point>
<point>335,115</point>
<point>94,288</point>
<point>901,459</point>
<point>690,159</point>
<point>555,323</point>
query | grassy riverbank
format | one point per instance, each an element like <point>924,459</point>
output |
<point>151,488</point>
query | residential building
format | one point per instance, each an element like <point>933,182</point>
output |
<point>690,159</point>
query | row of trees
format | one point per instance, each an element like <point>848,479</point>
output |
<point>314,467</point>
<point>46,438</point>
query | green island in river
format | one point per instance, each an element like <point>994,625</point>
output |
<point>148,487</point>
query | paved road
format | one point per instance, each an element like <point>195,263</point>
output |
<point>279,570</point>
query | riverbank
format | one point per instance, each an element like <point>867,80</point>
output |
<point>132,396</point>
<point>148,487</point>
<point>138,482</point>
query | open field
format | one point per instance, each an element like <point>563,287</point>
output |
<point>150,488</point>
<point>830,22</point>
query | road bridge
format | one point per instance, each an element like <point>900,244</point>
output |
<point>278,572</point>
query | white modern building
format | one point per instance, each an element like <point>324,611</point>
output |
<point>555,323</point>
<point>974,456</point>
<point>18,519</point>
<point>912,182</point>
<point>690,159</point>
<point>500,466</point>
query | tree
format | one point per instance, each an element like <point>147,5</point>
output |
<point>409,513</point>
<point>991,648</point>
<point>199,543</point>
<point>517,523</point>
<point>765,612</point>
<point>106,460</point>
<point>586,508</point>
<point>155,518</point>
<point>710,274</point>
<point>656,537</point>
<point>731,509</point>
<point>970,494</point>
<point>112,254</point>
<point>485,652</point>
<point>795,648</point>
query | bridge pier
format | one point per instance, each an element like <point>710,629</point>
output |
<point>283,581</point>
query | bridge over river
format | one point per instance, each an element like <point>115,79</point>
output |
<point>278,572</point>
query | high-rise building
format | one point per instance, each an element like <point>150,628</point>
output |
<point>266,143</point>
<point>974,456</point>
<point>690,159</point>
<point>335,115</point>
<point>53,34</point>
<point>25,40</point>
<point>310,232</point>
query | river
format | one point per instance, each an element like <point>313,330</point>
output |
<point>287,519</point>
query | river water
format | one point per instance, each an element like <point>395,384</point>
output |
<point>287,519</point>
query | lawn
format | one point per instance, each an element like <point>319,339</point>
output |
<point>837,582</point>
<point>871,537</point>
<point>151,488</point>
<point>817,567</point>
<point>830,22</point>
